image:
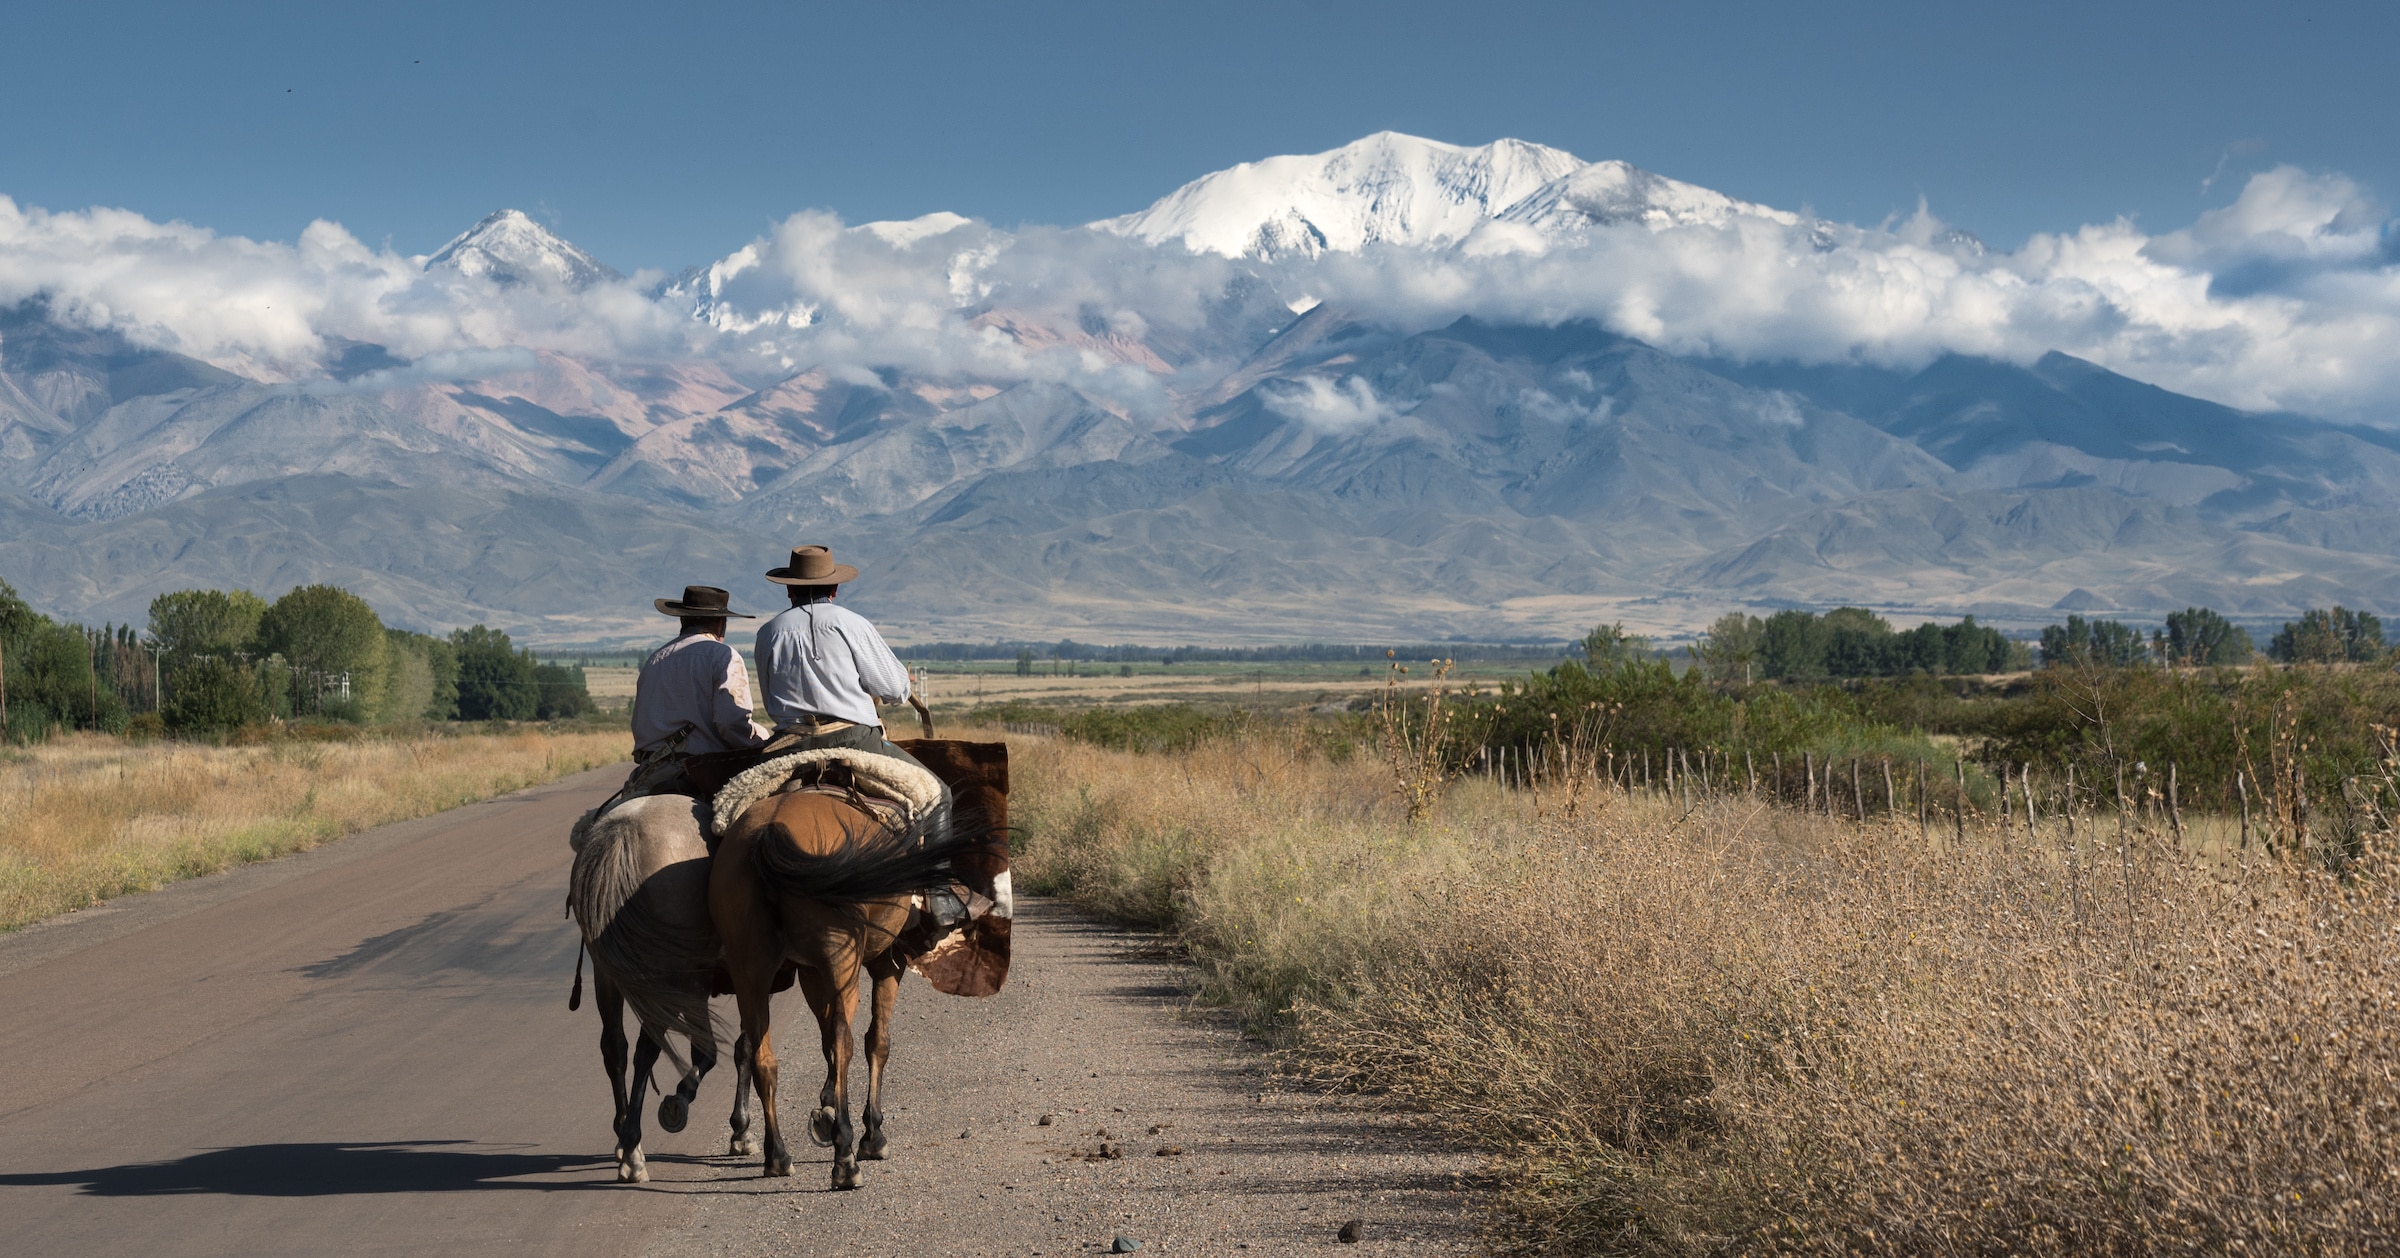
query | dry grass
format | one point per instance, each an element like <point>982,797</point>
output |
<point>86,818</point>
<point>1747,1030</point>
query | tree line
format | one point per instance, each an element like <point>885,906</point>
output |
<point>1797,645</point>
<point>2198,636</point>
<point>216,660</point>
<point>1852,642</point>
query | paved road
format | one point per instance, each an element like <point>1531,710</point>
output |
<point>367,1049</point>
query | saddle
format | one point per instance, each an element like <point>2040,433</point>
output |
<point>845,771</point>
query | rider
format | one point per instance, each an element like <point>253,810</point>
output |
<point>821,667</point>
<point>693,697</point>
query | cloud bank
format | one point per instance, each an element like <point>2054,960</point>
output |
<point>2289,298</point>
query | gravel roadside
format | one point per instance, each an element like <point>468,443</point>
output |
<point>1214,1154</point>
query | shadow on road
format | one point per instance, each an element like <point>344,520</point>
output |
<point>327,1170</point>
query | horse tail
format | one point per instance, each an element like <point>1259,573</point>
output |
<point>873,862</point>
<point>661,971</point>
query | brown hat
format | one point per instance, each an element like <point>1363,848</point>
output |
<point>701,602</point>
<point>812,565</point>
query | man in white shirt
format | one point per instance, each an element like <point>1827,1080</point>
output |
<point>694,687</point>
<point>822,668</point>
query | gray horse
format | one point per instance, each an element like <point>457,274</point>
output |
<point>639,892</point>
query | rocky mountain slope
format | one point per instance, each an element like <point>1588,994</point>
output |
<point>1218,468</point>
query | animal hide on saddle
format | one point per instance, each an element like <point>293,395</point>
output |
<point>957,937</point>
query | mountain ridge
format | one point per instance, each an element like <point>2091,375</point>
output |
<point>1246,462</point>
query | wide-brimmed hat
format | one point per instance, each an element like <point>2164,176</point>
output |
<point>701,602</point>
<point>812,565</point>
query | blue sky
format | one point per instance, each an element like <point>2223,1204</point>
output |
<point>657,136</point>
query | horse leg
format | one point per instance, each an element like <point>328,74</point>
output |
<point>752,993</point>
<point>675,1110</point>
<point>834,997</point>
<point>742,1143</point>
<point>886,971</point>
<point>631,1169</point>
<point>611,1005</point>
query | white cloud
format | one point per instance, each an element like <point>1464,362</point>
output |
<point>2287,298</point>
<point>1328,406</point>
<point>2290,298</point>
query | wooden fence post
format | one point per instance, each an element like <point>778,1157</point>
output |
<point>1891,801</point>
<point>1750,766</point>
<point>1959,816</point>
<point>2174,802</point>
<point>2032,835</point>
<point>1858,798</point>
<point>2070,803</point>
<point>1922,835</point>
<point>1808,766</point>
<point>2241,784</point>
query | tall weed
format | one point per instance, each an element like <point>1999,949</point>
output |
<point>1748,1029</point>
<point>86,818</point>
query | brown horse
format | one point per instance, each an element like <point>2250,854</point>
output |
<point>816,880</point>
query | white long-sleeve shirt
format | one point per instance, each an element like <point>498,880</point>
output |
<point>699,679</point>
<point>818,660</point>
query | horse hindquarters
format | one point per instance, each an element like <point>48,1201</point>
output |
<point>639,892</point>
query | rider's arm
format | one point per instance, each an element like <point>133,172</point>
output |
<point>880,673</point>
<point>731,704</point>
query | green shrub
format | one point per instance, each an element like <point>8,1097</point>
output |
<point>334,645</point>
<point>46,668</point>
<point>210,695</point>
<point>496,681</point>
<point>563,692</point>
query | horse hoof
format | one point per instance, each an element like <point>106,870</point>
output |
<point>871,1149</point>
<point>845,1176</point>
<point>821,1127</point>
<point>631,1169</point>
<point>742,1147</point>
<point>779,1168</point>
<point>673,1113</point>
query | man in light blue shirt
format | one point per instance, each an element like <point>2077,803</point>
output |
<point>823,668</point>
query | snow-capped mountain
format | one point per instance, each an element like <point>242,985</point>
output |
<point>1138,433</point>
<point>508,247</point>
<point>1606,194</point>
<point>1385,189</point>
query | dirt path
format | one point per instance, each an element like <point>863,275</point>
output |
<point>366,1049</point>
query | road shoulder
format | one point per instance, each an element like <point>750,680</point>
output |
<point>1215,1153</point>
<point>69,933</point>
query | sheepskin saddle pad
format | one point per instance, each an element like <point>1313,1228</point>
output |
<point>916,790</point>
